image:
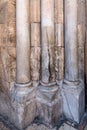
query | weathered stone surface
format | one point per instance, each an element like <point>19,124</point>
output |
<point>3,127</point>
<point>23,104</point>
<point>11,11</point>
<point>35,51</point>
<point>48,55</point>
<point>35,35</point>
<point>4,63</point>
<point>7,64</point>
<point>81,37</point>
<point>3,35</point>
<point>81,53</point>
<point>35,11</point>
<point>49,107</point>
<point>47,31</point>
<point>59,63</point>
<point>59,11</point>
<point>7,49</point>
<point>5,104</point>
<point>47,13</point>
<point>67,127</point>
<point>81,62</point>
<point>50,13</point>
<point>3,11</point>
<point>73,100</point>
<point>39,127</point>
<point>59,37</point>
<point>81,11</point>
<point>11,37</point>
<point>86,67</point>
<point>35,63</point>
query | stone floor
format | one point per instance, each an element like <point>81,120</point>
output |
<point>38,127</point>
<point>4,123</point>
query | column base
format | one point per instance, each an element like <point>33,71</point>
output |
<point>73,100</point>
<point>23,104</point>
<point>49,104</point>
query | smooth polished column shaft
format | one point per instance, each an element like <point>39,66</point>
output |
<point>71,62</point>
<point>23,41</point>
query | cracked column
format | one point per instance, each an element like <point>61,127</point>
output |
<point>73,89</point>
<point>48,97</point>
<point>35,21</point>
<point>59,41</point>
<point>23,94</point>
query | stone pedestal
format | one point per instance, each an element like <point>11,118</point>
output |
<point>49,104</point>
<point>73,100</point>
<point>23,105</point>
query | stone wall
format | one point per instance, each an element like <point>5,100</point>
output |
<point>7,44</point>
<point>7,54</point>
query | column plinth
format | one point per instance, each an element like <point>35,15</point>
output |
<point>73,100</point>
<point>49,101</point>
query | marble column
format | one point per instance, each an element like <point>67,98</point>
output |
<point>73,89</point>
<point>48,96</point>
<point>71,62</point>
<point>23,41</point>
<point>24,93</point>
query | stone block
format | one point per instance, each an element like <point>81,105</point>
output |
<point>3,11</point>
<point>73,100</point>
<point>49,108</point>
<point>35,11</point>
<point>11,11</point>
<point>23,104</point>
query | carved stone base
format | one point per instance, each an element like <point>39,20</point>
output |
<point>73,100</point>
<point>23,104</point>
<point>49,108</point>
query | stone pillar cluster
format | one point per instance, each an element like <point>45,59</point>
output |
<point>40,57</point>
<point>49,83</point>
